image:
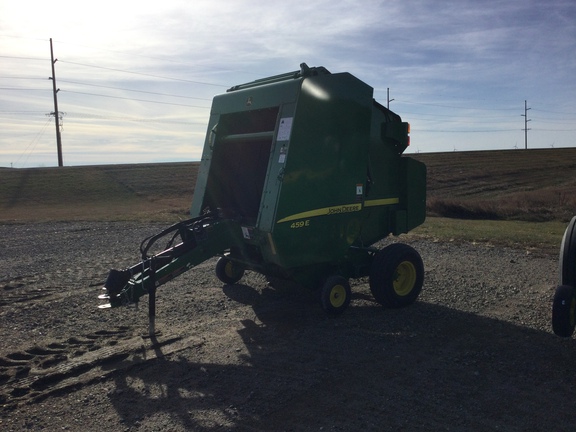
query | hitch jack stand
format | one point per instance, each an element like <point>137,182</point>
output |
<point>152,299</point>
<point>152,311</point>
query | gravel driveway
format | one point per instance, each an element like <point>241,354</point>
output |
<point>476,352</point>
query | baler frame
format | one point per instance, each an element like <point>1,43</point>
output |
<point>301,174</point>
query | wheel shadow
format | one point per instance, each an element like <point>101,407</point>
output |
<point>370,369</point>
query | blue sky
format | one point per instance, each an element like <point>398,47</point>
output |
<point>136,78</point>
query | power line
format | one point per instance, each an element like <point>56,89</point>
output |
<point>124,53</point>
<point>553,130</point>
<point>496,117</point>
<point>131,90</point>
<point>455,107</point>
<point>22,58</point>
<point>145,74</point>
<point>15,77</point>
<point>22,89</point>
<point>477,119</point>
<point>463,131</point>
<point>132,119</point>
<point>21,112</point>
<point>554,112</point>
<point>33,143</point>
<point>132,99</point>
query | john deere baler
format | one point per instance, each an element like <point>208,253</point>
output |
<point>301,173</point>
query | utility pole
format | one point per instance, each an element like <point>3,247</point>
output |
<point>388,97</point>
<point>56,113</point>
<point>526,120</point>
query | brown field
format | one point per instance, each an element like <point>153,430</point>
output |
<point>507,197</point>
<point>159,192</point>
<point>533,185</point>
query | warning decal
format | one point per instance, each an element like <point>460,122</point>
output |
<point>284,129</point>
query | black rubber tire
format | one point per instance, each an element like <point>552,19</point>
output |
<point>568,255</point>
<point>335,295</point>
<point>563,311</point>
<point>396,275</point>
<point>228,271</point>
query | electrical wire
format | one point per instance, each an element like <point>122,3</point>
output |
<point>145,74</point>
<point>131,119</point>
<point>456,107</point>
<point>22,58</point>
<point>23,89</point>
<point>132,99</point>
<point>28,151</point>
<point>473,120</point>
<point>131,90</point>
<point>465,131</point>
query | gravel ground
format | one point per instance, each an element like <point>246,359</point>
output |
<point>476,352</point>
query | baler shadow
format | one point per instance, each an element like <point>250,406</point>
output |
<point>460,369</point>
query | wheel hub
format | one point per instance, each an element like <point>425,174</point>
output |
<point>405,278</point>
<point>337,296</point>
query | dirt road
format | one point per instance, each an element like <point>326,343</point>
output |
<point>476,352</point>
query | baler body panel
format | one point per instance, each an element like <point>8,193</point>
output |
<point>319,210</point>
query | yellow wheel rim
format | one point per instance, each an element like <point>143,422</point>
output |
<point>337,296</point>
<point>405,278</point>
<point>229,269</point>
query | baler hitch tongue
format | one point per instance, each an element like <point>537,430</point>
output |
<point>121,290</point>
<point>115,285</point>
<point>200,238</point>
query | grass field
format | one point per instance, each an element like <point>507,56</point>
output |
<point>108,192</point>
<point>514,197</point>
<point>533,185</point>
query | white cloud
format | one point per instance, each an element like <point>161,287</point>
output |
<point>136,78</point>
